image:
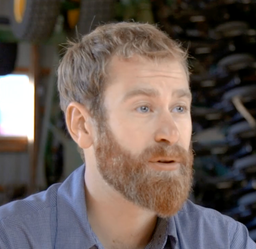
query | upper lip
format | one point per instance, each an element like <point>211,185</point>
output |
<point>164,160</point>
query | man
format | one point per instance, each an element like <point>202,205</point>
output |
<point>124,89</point>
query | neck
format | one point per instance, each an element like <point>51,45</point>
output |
<point>117,222</point>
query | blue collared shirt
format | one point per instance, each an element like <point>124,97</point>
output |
<point>57,218</point>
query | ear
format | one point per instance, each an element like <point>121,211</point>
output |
<point>79,125</point>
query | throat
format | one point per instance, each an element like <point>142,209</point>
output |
<point>119,228</point>
<point>117,222</point>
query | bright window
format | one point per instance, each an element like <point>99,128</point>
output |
<point>16,105</point>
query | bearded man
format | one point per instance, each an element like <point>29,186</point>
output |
<point>124,89</point>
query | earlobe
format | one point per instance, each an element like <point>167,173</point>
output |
<point>79,127</point>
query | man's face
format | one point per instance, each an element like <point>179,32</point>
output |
<point>143,150</point>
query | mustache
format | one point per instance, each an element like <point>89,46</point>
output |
<point>176,152</point>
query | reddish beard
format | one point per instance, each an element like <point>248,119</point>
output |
<point>163,192</point>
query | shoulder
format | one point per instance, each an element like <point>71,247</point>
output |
<point>30,206</point>
<point>36,221</point>
<point>199,212</point>
<point>205,218</point>
<point>210,226</point>
<point>30,219</point>
<point>44,201</point>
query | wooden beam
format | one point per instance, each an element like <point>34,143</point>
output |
<point>25,70</point>
<point>33,144</point>
<point>13,144</point>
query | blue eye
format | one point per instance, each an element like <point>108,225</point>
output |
<point>180,109</point>
<point>143,109</point>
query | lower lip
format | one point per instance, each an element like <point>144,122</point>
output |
<point>164,166</point>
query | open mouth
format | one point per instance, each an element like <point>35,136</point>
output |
<point>164,164</point>
<point>166,161</point>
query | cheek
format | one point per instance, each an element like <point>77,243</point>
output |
<point>185,130</point>
<point>131,135</point>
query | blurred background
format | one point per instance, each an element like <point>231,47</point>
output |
<point>220,35</point>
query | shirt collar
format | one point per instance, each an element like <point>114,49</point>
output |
<point>72,220</point>
<point>172,228</point>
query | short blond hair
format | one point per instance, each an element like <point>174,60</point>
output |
<point>82,74</point>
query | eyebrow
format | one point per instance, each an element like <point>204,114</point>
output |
<point>141,91</point>
<point>154,93</point>
<point>183,93</point>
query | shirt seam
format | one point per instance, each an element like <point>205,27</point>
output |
<point>234,235</point>
<point>57,224</point>
<point>4,239</point>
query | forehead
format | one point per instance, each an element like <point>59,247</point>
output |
<point>139,70</point>
<point>138,78</point>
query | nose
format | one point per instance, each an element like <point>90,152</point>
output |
<point>167,130</point>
